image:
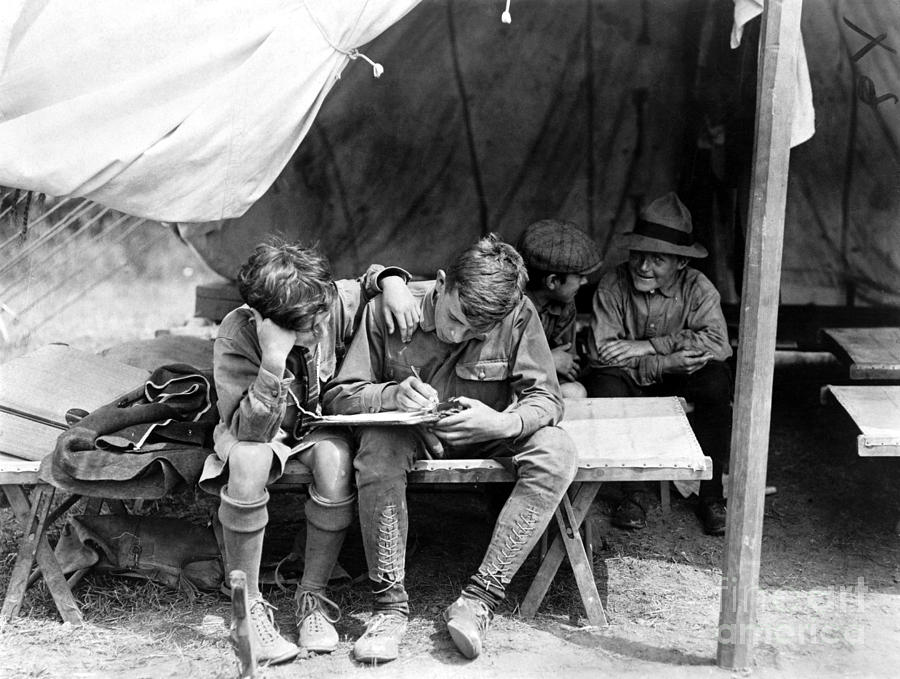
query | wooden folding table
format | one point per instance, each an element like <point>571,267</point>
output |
<point>36,390</point>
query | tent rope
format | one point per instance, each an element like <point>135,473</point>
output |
<point>352,54</point>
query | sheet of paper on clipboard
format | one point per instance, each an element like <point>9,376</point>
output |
<point>391,417</point>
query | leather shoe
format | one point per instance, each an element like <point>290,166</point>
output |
<point>381,641</point>
<point>630,514</point>
<point>467,621</point>
<point>712,515</point>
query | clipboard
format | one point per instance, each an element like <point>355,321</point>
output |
<point>390,417</point>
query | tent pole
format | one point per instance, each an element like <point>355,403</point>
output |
<point>779,39</point>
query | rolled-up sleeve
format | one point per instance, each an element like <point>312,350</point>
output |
<point>251,400</point>
<point>370,281</point>
<point>538,399</point>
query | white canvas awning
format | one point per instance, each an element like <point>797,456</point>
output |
<point>174,110</point>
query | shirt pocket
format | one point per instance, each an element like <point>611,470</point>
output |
<point>485,380</point>
<point>483,371</point>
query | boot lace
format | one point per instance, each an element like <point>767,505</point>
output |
<point>309,604</point>
<point>498,571</point>
<point>383,624</point>
<point>389,545</point>
<point>263,617</point>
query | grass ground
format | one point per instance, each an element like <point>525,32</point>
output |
<point>828,603</point>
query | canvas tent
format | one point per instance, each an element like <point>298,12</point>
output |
<point>577,109</point>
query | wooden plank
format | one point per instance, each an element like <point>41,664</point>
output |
<point>26,439</point>
<point>48,382</point>
<point>872,353</point>
<point>52,573</point>
<point>800,325</point>
<point>631,432</point>
<point>552,559</point>
<point>33,519</point>
<point>28,544</point>
<point>875,409</point>
<point>582,568</point>
<point>867,446</point>
<point>16,471</point>
<point>778,44</point>
<point>618,439</point>
<point>55,378</point>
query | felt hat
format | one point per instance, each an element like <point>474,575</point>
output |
<point>664,226</point>
<point>556,246</point>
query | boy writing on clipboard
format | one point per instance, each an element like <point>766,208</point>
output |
<point>479,340</point>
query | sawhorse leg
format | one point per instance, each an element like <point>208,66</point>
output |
<point>32,517</point>
<point>570,515</point>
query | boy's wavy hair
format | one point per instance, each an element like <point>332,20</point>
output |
<point>287,283</point>
<point>489,277</point>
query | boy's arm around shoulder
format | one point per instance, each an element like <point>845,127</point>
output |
<point>354,294</point>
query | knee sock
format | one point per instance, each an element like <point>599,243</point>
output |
<point>326,525</point>
<point>243,529</point>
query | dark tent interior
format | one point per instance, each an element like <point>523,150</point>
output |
<point>585,111</point>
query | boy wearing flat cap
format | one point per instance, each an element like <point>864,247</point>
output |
<point>658,329</point>
<point>559,256</point>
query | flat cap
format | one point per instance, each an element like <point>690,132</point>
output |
<point>557,246</point>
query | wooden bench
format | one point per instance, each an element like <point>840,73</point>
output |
<point>35,392</point>
<point>869,353</point>
<point>876,411</point>
<point>618,439</point>
<point>639,439</point>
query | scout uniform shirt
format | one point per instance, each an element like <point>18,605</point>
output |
<point>687,314</point>
<point>509,368</point>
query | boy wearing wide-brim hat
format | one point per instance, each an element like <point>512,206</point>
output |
<point>559,256</point>
<point>658,329</point>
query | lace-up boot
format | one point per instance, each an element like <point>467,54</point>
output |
<point>467,621</point>
<point>270,646</point>
<point>316,616</point>
<point>381,640</point>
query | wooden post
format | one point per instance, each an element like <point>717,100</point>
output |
<point>778,43</point>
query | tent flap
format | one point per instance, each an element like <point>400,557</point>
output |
<point>175,110</point>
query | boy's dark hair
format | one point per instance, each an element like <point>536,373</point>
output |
<point>489,277</point>
<point>287,283</point>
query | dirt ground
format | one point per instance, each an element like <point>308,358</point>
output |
<point>828,602</point>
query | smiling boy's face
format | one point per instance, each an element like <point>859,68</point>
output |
<point>653,270</point>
